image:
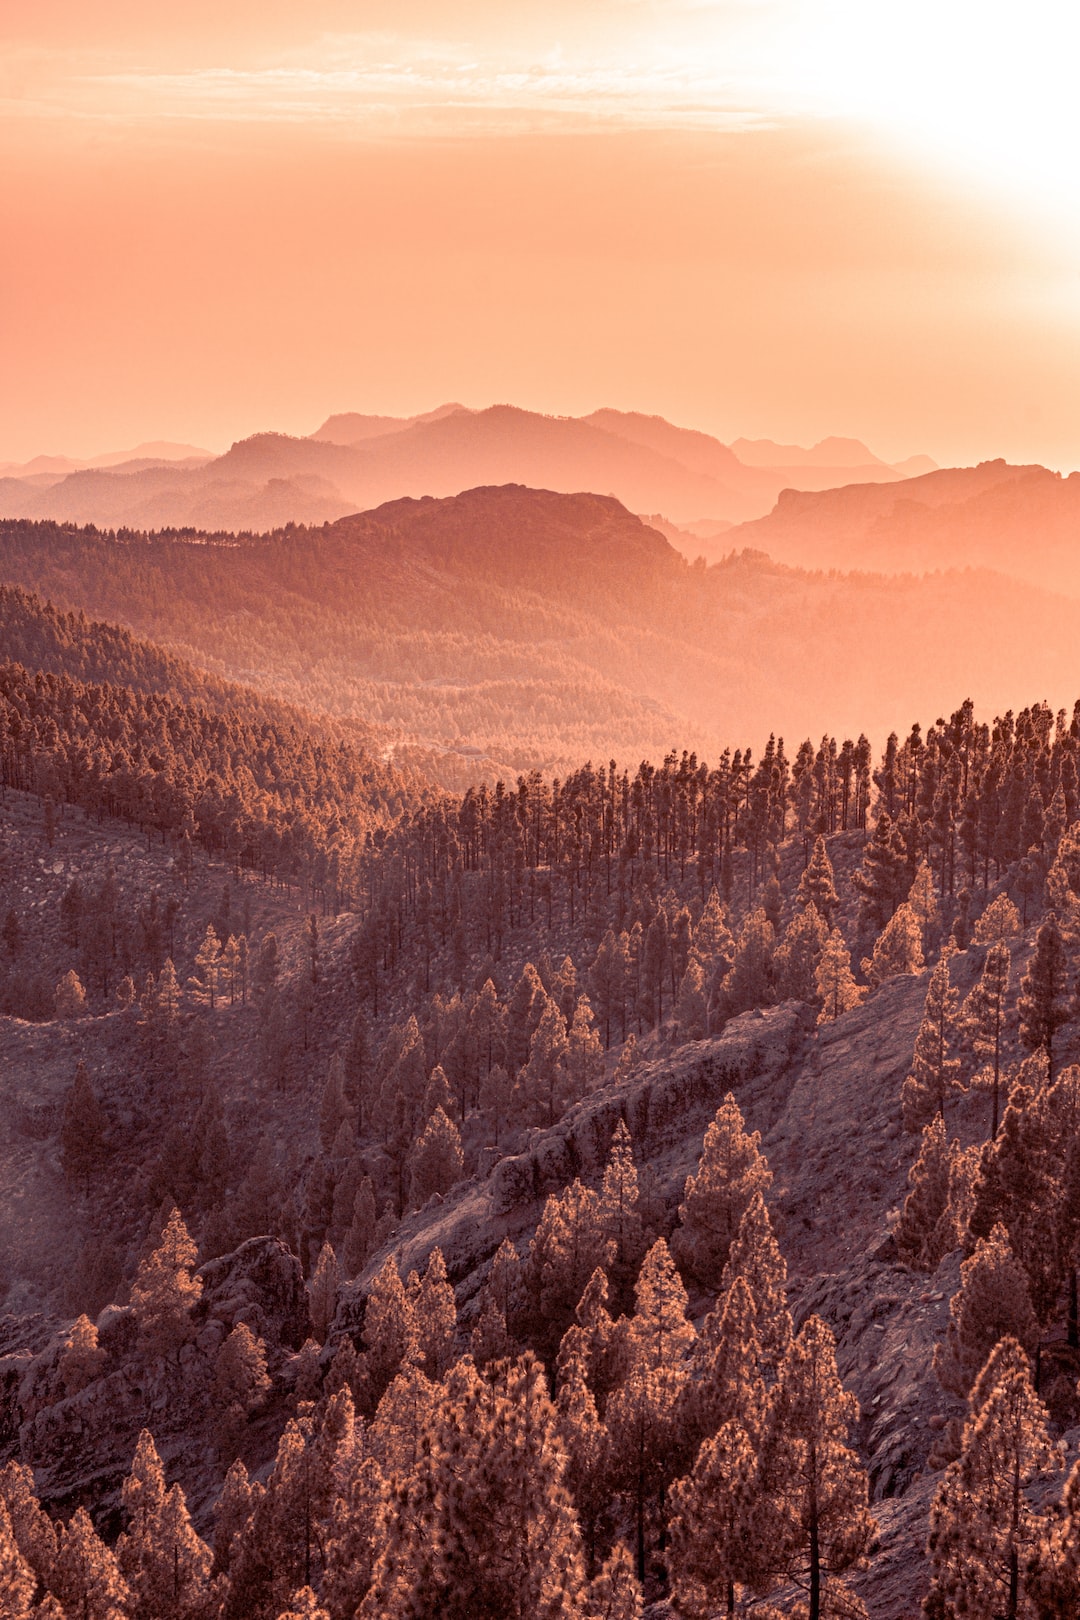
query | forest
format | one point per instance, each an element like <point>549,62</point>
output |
<point>633,1189</point>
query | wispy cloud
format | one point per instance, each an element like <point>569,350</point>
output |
<point>412,88</point>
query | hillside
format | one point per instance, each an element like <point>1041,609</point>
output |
<point>532,630</point>
<point>393,1134</point>
<point>1022,521</point>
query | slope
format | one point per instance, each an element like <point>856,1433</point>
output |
<point>1023,521</point>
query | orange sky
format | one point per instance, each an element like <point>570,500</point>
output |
<point>759,217</point>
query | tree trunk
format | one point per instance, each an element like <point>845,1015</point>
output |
<point>815,1572</point>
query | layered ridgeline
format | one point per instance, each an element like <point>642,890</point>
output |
<point>524,629</point>
<point>434,1243</point>
<point>353,462</point>
<point>1023,521</point>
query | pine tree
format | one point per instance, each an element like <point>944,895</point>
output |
<point>655,966</point>
<point>240,1382</point>
<point>661,1333</point>
<point>928,1229</point>
<point>717,1545</point>
<point>642,1417</point>
<point>570,1242</point>
<point>489,1528</point>
<point>323,1291</point>
<point>730,1171</point>
<point>435,1314</point>
<point>165,1563</point>
<point>817,886</point>
<point>751,981</point>
<point>799,956</point>
<point>164,1291</point>
<point>527,1002</point>
<point>642,1414</point>
<point>354,1530</point>
<point>82,1133</point>
<point>16,1577</point>
<point>334,1110</point>
<point>399,1433</point>
<point>33,1531</point>
<point>755,1257</point>
<point>834,980</point>
<point>267,966</point>
<point>883,879</point>
<point>817,1483</point>
<point>541,1093</point>
<point>587,1444</point>
<point>729,1386</point>
<point>714,948</point>
<point>304,1605</point>
<point>86,1578</point>
<point>1000,921</point>
<point>1019,1181</point>
<point>982,1020</point>
<point>204,982</point>
<point>438,1094</point>
<point>1052,1575</point>
<point>922,898</point>
<point>232,1512</point>
<point>69,998</point>
<point>496,1100</point>
<point>692,1007</point>
<point>615,1594</point>
<point>436,1162</point>
<point>619,1215</point>
<point>83,1359</point>
<point>583,1062</point>
<point>1043,1004</point>
<point>897,950</point>
<point>359,1239</point>
<point>982,1527</point>
<point>390,1332</point>
<point>607,985</point>
<point>992,1303</point>
<point>934,1072</point>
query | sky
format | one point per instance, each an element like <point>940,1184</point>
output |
<point>764,218</point>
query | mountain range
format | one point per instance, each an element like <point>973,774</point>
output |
<point>355,462</point>
<point>505,629</point>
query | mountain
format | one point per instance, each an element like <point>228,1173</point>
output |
<point>1021,521</point>
<point>831,452</point>
<point>356,462</point>
<point>153,452</point>
<point>350,426</point>
<point>506,629</point>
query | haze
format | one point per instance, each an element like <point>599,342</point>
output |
<point>762,220</point>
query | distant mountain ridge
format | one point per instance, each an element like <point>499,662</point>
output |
<point>531,628</point>
<point>1021,521</point>
<point>355,462</point>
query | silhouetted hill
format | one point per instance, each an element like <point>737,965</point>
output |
<point>356,462</point>
<point>831,452</point>
<point>349,427</point>
<point>1023,521</point>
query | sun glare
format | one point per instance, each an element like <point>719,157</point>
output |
<point>987,89</point>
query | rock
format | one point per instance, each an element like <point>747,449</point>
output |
<point>262,1284</point>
